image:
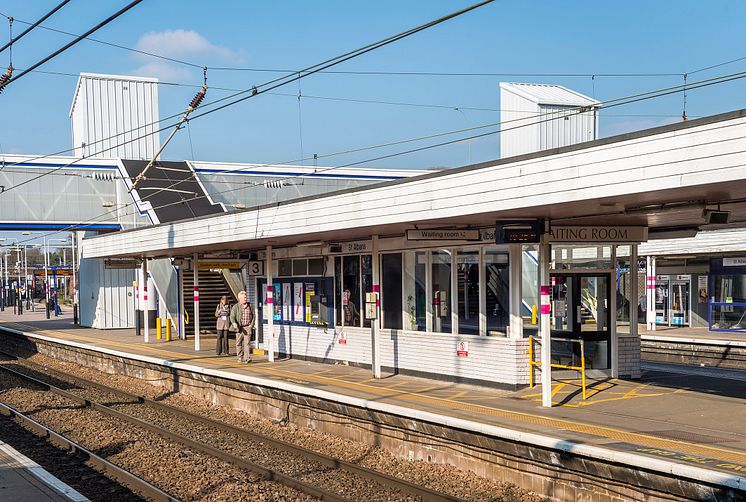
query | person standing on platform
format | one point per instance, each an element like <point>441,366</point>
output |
<point>242,322</point>
<point>222,313</point>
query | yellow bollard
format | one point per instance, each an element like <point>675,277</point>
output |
<point>168,329</point>
<point>533,314</point>
<point>158,328</point>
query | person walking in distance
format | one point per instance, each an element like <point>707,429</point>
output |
<point>242,322</point>
<point>222,313</point>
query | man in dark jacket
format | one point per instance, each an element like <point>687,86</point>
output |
<point>242,322</point>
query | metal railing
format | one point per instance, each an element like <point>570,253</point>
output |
<point>581,368</point>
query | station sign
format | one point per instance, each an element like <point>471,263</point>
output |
<point>613,234</point>
<point>122,263</point>
<point>354,247</point>
<point>219,264</point>
<point>735,261</point>
<point>256,268</point>
<point>435,234</point>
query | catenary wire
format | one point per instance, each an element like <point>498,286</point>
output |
<point>613,103</point>
<point>73,42</point>
<point>33,25</point>
<point>297,75</point>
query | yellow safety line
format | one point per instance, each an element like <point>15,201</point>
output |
<point>569,425</point>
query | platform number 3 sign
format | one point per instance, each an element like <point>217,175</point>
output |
<point>463,349</point>
<point>256,268</point>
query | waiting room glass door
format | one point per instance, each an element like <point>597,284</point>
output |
<point>580,310</point>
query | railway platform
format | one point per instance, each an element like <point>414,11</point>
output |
<point>686,422</point>
<point>23,480</point>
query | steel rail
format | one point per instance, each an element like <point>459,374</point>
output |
<point>126,478</point>
<point>263,472</point>
<point>329,461</point>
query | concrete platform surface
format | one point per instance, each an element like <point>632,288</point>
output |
<point>683,416</point>
<point>23,480</point>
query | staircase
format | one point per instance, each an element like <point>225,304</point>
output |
<point>212,286</point>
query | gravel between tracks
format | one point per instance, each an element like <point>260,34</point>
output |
<point>183,473</point>
<point>444,478</point>
<point>69,468</point>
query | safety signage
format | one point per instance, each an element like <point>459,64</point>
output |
<point>463,349</point>
<point>342,338</point>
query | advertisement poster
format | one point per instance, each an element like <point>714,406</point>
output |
<point>277,301</point>
<point>310,291</point>
<point>702,289</point>
<point>286,304</point>
<point>298,302</point>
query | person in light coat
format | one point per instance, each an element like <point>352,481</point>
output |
<point>222,314</point>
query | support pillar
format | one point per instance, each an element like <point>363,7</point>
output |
<point>650,292</point>
<point>612,316</point>
<point>182,303</point>
<point>430,314</point>
<point>482,294</point>
<point>515,265</point>
<point>144,299</point>
<point>453,300</point>
<point>270,339</point>
<point>634,296</point>
<point>195,275</point>
<point>375,324</point>
<point>545,293</point>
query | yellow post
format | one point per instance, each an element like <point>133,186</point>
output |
<point>158,328</point>
<point>531,361</point>
<point>533,314</point>
<point>168,329</point>
<point>582,367</point>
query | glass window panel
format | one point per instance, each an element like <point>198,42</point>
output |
<point>581,257</point>
<point>468,292</point>
<point>441,277</point>
<point>497,277</point>
<point>367,277</point>
<point>300,267</point>
<point>351,289</point>
<point>413,296</point>
<point>730,317</point>
<point>729,288</point>
<point>285,268</point>
<point>391,290</point>
<point>338,289</point>
<point>315,266</point>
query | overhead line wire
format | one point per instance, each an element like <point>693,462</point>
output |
<point>618,101</point>
<point>296,75</point>
<point>73,42</point>
<point>32,25</point>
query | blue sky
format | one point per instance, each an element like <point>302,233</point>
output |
<point>503,37</point>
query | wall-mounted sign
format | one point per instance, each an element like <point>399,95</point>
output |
<point>702,289</point>
<point>518,232</point>
<point>597,234</point>
<point>122,263</point>
<point>256,268</point>
<point>734,261</point>
<point>356,247</point>
<point>218,264</point>
<point>462,350</point>
<point>435,234</point>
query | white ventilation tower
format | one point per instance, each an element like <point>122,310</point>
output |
<point>111,110</point>
<point>537,117</point>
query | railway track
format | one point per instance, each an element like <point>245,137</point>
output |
<point>313,473</point>
<point>75,465</point>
